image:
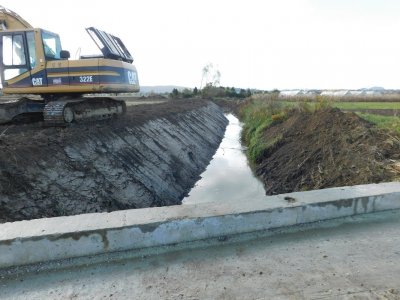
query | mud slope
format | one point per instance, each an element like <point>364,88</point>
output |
<point>324,149</point>
<point>151,156</point>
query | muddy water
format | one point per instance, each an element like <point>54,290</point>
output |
<point>228,177</point>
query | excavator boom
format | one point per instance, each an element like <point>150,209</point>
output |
<point>10,20</point>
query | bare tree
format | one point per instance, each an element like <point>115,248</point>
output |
<point>216,77</point>
<point>206,71</point>
<point>209,71</point>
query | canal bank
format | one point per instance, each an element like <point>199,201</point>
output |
<point>151,156</point>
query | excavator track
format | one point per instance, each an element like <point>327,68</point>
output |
<point>20,109</point>
<point>66,111</point>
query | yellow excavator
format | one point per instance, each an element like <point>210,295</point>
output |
<point>32,62</point>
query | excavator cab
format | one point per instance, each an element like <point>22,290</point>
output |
<point>33,62</point>
<point>23,58</point>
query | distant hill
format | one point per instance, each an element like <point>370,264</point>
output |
<point>377,88</point>
<point>374,88</point>
<point>159,89</point>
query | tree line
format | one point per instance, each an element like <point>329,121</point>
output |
<point>211,91</point>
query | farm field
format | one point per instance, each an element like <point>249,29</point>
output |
<point>382,111</point>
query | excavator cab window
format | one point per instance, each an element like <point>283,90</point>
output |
<point>51,45</point>
<point>14,55</point>
<point>31,49</point>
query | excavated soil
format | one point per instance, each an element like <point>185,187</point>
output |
<point>151,156</point>
<point>328,148</point>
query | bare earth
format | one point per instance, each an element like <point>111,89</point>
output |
<point>151,156</point>
<point>328,148</point>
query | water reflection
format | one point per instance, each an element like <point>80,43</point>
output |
<point>228,177</point>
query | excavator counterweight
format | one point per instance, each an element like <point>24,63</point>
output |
<point>32,62</point>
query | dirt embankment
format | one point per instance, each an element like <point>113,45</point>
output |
<point>228,105</point>
<point>327,148</point>
<point>151,156</point>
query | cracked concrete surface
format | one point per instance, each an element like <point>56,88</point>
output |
<point>348,258</point>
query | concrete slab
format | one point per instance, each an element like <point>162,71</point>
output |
<point>43,240</point>
<point>346,258</point>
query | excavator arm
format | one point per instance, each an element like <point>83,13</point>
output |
<point>10,20</point>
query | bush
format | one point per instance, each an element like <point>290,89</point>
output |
<point>323,102</point>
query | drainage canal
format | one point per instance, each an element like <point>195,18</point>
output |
<point>228,177</point>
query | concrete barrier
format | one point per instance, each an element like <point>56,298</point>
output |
<point>42,240</point>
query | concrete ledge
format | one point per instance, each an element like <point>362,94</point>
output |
<point>42,240</point>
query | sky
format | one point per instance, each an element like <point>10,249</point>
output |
<point>263,44</point>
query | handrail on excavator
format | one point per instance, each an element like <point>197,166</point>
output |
<point>10,20</point>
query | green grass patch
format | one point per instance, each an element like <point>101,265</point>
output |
<point>258,148</point>
<point>391,123</point>
<point>258,114</point>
